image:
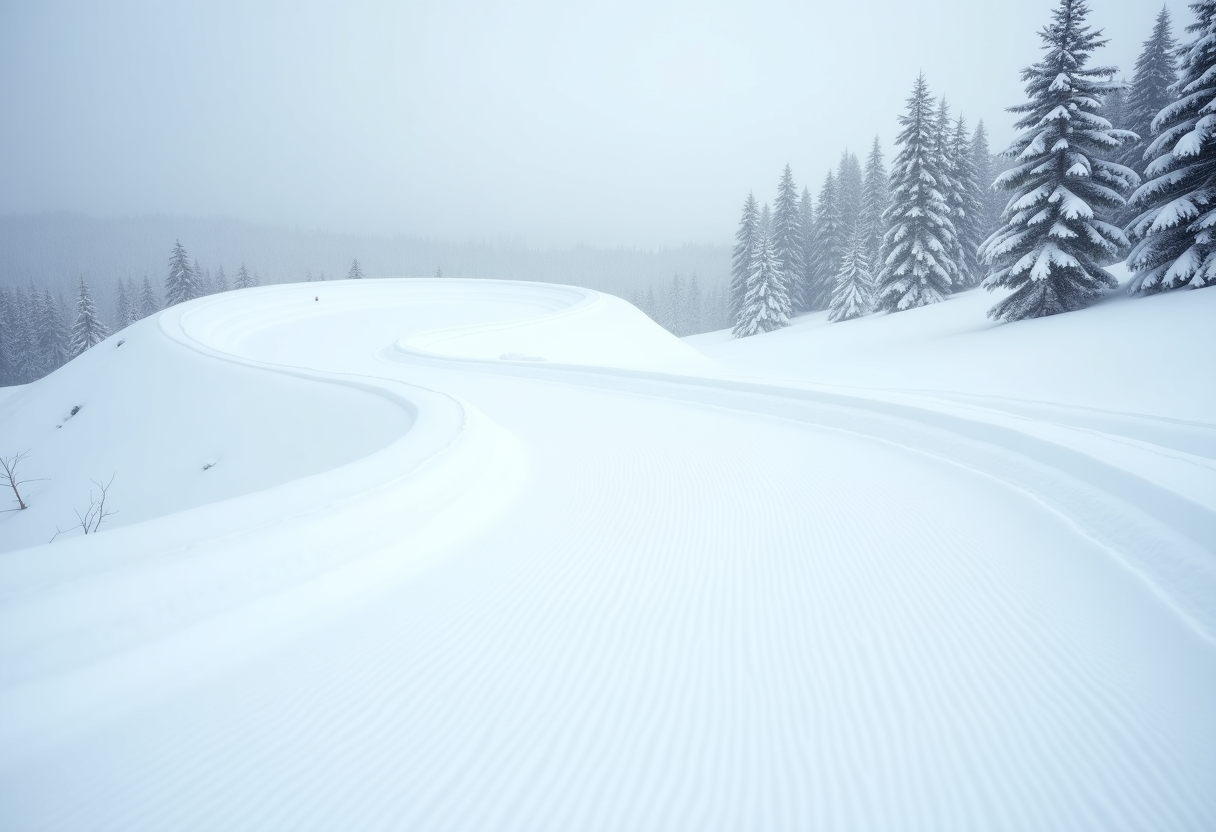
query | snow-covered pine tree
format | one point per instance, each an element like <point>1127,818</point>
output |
<point>766,220</point>
<point>355,272</point>
<point>917,264</point>
<point>948,184</point>
<point>220,283</point>
<point>88,331</point>
<point>52,334</point>
<point>1055,240</point>
<point>992,202</point>
<point>243,280</point>
<point>1174,245</point>
<point>848,195</point>
<point>767,306</point>
<point>179,285</point>
<point>743,253</point>
<point>1150,92</point>
<point>787,231</point>
<point>695,308</point>
<point>875,196</point>
<point>122,306</point>
<point>800,300</point>
<point>675,321</point>
<point>1156,71</point>
<point>148,302</point>
<point>8,371</point>
<point>23,340</point>
<point>851,296</point>
<point>966,209</point>
<point>829,243</point>
<point>202,280</point>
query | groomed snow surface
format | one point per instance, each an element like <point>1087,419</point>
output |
<point>440,554</point>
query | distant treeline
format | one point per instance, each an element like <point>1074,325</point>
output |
<point>53,250</point>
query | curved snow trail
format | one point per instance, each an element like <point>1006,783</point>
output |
<point>711,604</point>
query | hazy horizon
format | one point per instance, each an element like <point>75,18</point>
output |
<point>631,125</point>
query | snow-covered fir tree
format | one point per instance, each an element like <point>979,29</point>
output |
<point>767,305</point>
<point>1055,241</point>
<point>918,247</point>
<point>875,196</point>
<point>243,279</point>
<point>694,311</point>
<point>148,302</point>
<point>848,195</point>
<point>829,244</point>
<point>851,296</point>
<point>220,281</point>
<point>1156,71</point>
<point>21,341</point>
<point>88,331</point>
<point>122,306</point>
<point>179,285</point>
<point>800,300</point>
<point>992,201</point>
<point>948,184</point>
<point>8,346</point>
<point>1174,245</point>
<point>743,253</point>
<point>202,279</point>
<point>52,334</point>
<point>355,272</point>
<point>966,211</point>
<point>787,232</point>
<point>675,320</point>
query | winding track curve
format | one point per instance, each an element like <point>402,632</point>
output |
<point>668,601</point>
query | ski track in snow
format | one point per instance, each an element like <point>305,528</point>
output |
<point>671,601</point>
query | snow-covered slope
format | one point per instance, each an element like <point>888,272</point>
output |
<point>496,555</point>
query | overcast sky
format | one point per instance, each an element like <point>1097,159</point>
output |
<point>618,123</point>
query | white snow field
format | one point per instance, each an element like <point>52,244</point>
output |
<point>488,555</point>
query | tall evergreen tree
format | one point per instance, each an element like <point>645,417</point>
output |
<point>917,249</point>
<point>88,331</point>
<point>355,272</point>
<point>743,254</point>
<point>124,309</point>
<point>202,279</point>
<point>148,303</point>
<point>1174,246</point>
<point>851,296</point>
<point>675,322</point>
<point>1055,241</point>
<point>24,345</point>
<point>848,196</point>
<point>829,244</point>
<point>179,285</point>
<point>787,232</point>
<point>992,203</point>
<point>875,197</point>
<point>966,210</point>
<point>948,184</point>
<point>243,280</point>
<point>767,306</point>
<point>8,346</point>
<point>52,334</point>
<point>220,282</point>
<point>800,299</point>
<point>1156,72</point>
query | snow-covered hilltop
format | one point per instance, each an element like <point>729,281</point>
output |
<point>464,554</point>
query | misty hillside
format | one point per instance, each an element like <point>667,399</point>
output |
<point>54,249</point>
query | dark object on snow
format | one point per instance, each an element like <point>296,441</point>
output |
<point>317,297</point>
<point>121,341</point>
<point>210,464</point>
<point>75,410</point>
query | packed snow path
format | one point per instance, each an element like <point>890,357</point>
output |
<point>595,585</point>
